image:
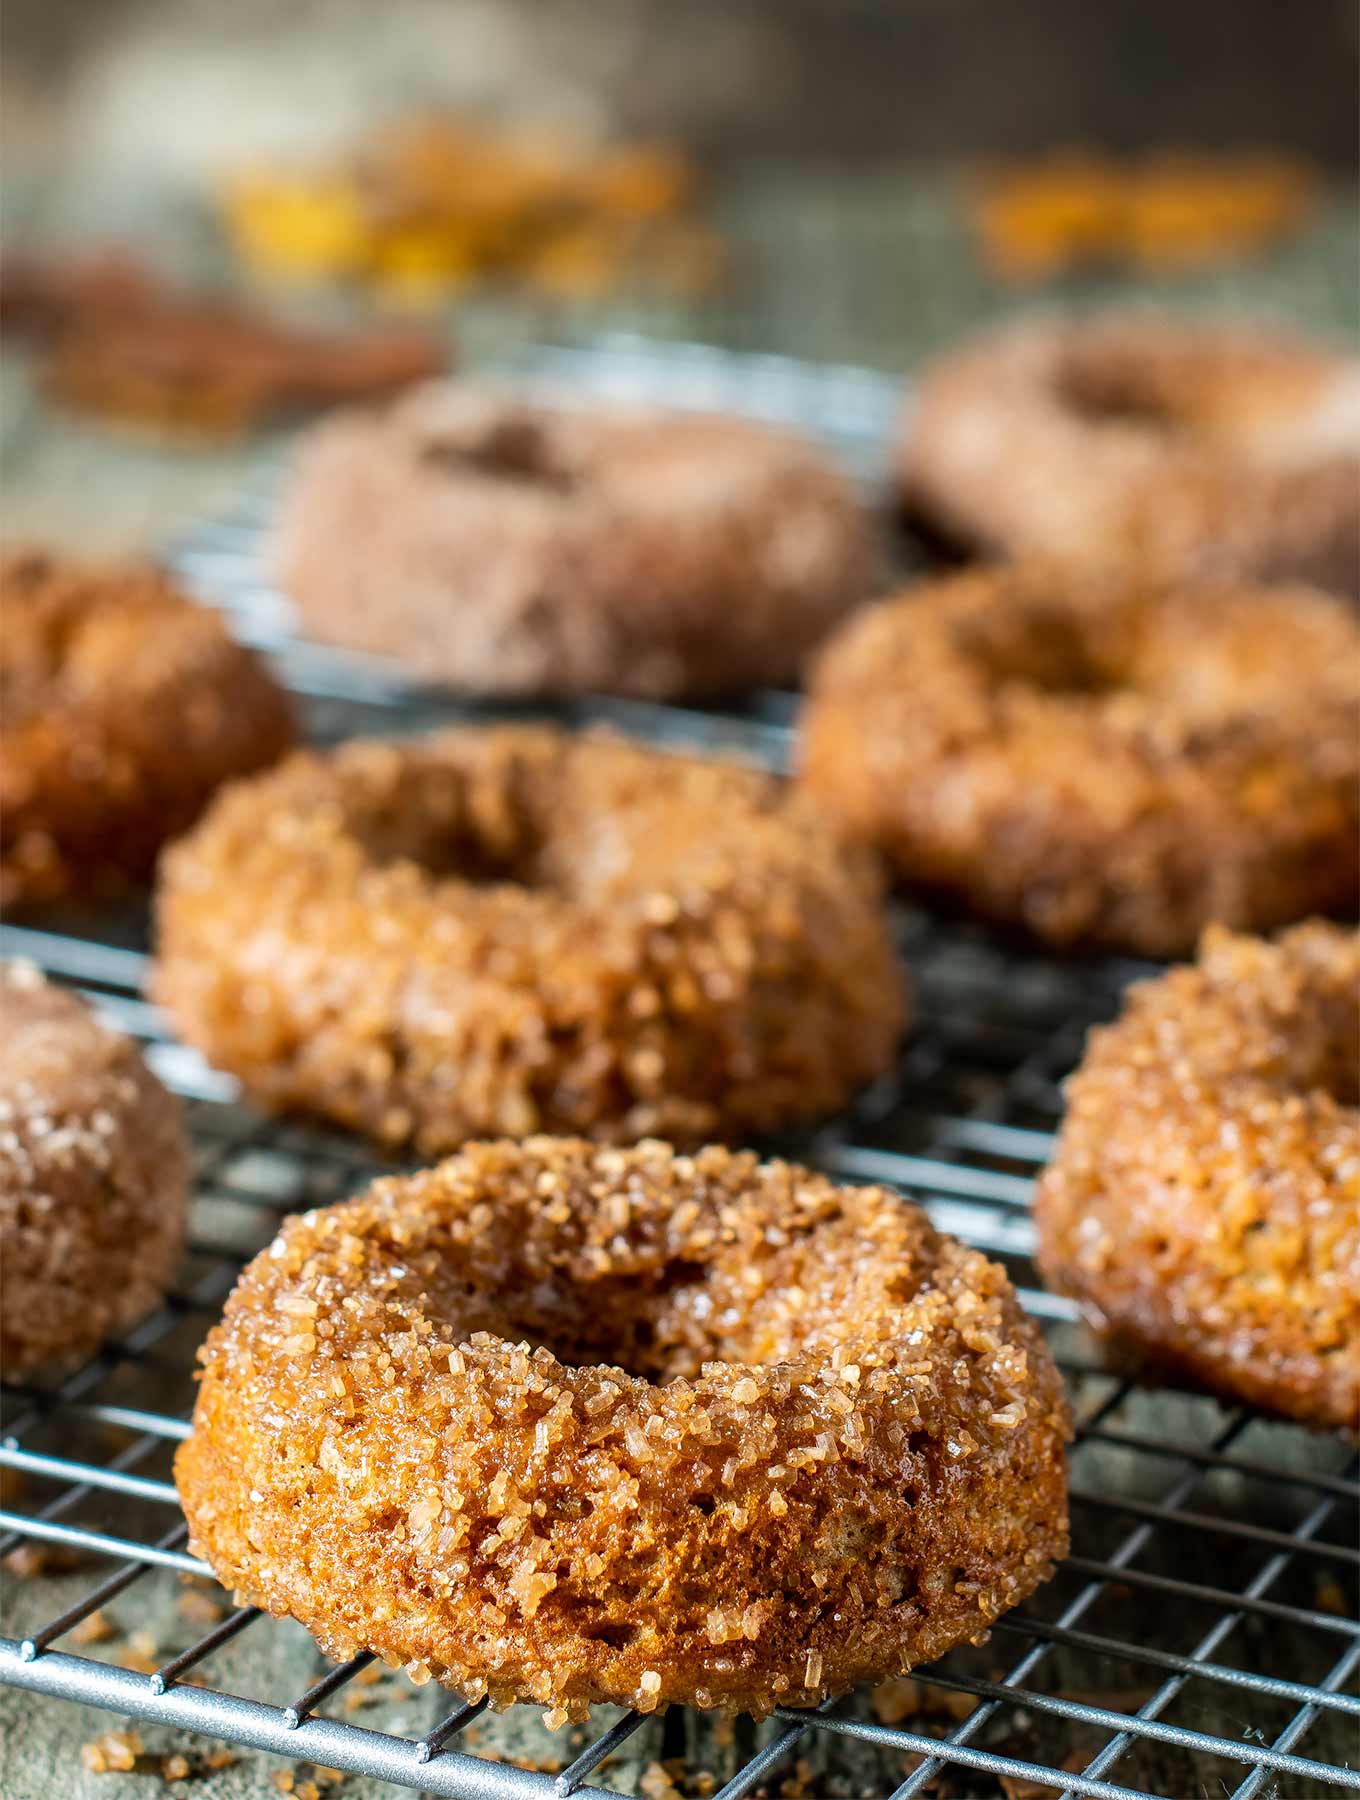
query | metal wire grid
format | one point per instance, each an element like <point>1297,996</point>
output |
<point>962,1124</point>
<point>1211,1550</point>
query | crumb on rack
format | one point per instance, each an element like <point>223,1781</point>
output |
<point>656,1783</point>
<point>198,1607</point>
<point>32,1560</point>
<point>113,1753</point>
<point>92,1629</point>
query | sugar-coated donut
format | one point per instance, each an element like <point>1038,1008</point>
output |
<point>1204,1200</point>
<point>509,547</point>
<point>124,706</point>
<point>505,930</point>
<point>566,1424</point>
<point>94,1175</point>
<point>1097,760</point>
<point>1174,447</point>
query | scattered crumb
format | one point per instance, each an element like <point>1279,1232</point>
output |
<point>34,1559</point>
<point>796,1786</point>
<point>896,1700</point>
<point>92,1629</point>
<point>940,1786</point>
<point>139,1662</point>
<point>198,1607</point>
<point>283,1780</point>
<point>115,1752</point>
<point>221,1758</point>
<point>945,1703</point>
<point>1330,1597</point>
<point>175,1767</point>
<point>1020,1787</point>
<point>656,1784</point>
<point>356,1694</point>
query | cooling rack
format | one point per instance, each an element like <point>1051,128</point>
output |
<point>1201,1638</point>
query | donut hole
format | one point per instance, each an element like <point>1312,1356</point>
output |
<point>1199,384</point>
<point>622,1296</point>
<point>1113,391</point>
<point>516,448</point>
<point>454,826</point>
<point>1051,655</point>
<point>1192,383</point>
<point>654,1325</point>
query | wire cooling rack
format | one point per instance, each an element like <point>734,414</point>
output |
<point>1202,1638</point>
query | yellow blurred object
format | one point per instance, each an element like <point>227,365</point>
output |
<point>421,207</point>
<point>296,226</point>
<point>579,263</point>
<point>1185,211</point>
<point>643,182</point>
<point>1172,210</point>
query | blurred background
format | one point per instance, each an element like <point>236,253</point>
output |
<point>853,180</point>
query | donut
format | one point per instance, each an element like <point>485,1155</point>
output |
<point>135,350</point>
<point>1098,761</point>
<point>94,1178</point>
<point>506,930</point>
<point>123,707</point>
<point>509,547</point>
<point>1203,1203</point>
<point>1179,448</point>
<point>569,1424</point>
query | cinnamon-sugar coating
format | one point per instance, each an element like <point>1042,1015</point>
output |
<point>122,707</point>
<point>1204,1200</point>
<point>516,548</point>
<point>1177,447</point>
<point>94,1173</point>
<point>509,930</point>
<point>566,1424</point>
<point>1097,760</point>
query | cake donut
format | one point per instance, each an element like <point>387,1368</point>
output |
<point>1204,1201</point>
<point>124,705</point>
<point>505,546</point>
<point>565,1424</point>
<point>1179,447</point>
<point>94,1177</point>
<point>1096,760</point>
<point>510,929</point>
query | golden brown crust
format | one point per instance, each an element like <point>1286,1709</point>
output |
<point>94,1174</point>
<point>124,706</point>
<point>1097,761</point>
<point>1178,448</point>
<point>508,547</point>
<point>510,930</point>
<point>835,1447</point>
<point>1204,1201</point>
